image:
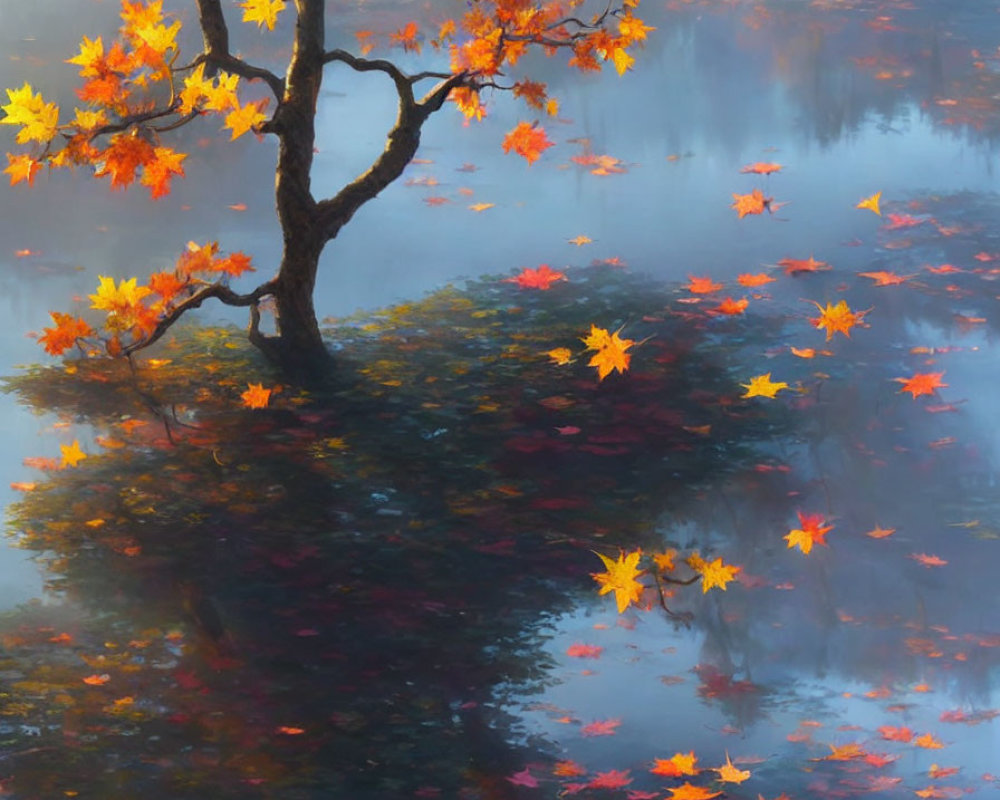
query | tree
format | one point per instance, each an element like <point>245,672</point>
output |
<point>135,93</point>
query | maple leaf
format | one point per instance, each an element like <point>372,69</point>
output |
<point>677,765</point>
<point>97,680</point>
<point>793,266</point>
<point>753,203</point>
<point>234,265</point>
<point>263,12</point>
<point>541,278</point>
<point>612,779</point>
<point>584,651</point>
<point>527,140</point>
<point>880,533</point>
<point>568,769</point>
<point>730,774</point>
<point>67,331</point>
<point>560,356</point>
<point>700,285</point>
<point>580,241</point>
<point>845,752</point>
<point>620,578</point>
<point>665,561</point>
<point>123,156</point>
<point>71,454</point>
<point>256,396</point>
<point>90,58</point>
<point>883,278</point>
<point>761,168</point>
<point>247,117</point>
<point>836,318</point>
<point>928,560</point>
<point>712,574</point>
<point>922,383</point>
<point>407,37</point>
<point>601,727</point>
<point>195,89</point>
<point>22,168</point>
<point>893,734</point>
<point>813,531</point>
<point>523,778</point>
<point>220,94</point>
<point>479,207</point>
<point>762,386</point>
<point>750,281</point>
<point>928,742</point>
<point>730,307</point>
<point>612,356</point>
<point>688,792</point>
<point>156,173</point>
<point>39,119</point>
<point>871,203</point>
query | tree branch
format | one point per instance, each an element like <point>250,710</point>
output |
<point>215,35</point>
<point>217,290</point>
<point>400,78</point>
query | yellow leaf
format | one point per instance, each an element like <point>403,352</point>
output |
<point>712,574</point>
<point>620,578</point>
<point>245,118</point>
<point>90,56</point>
<point>622,60</point>
<point>263,12</point>
<point>837,318</point>
<point>871,203</point>
<point>560,355</point>
<point>612,356</point>
<point>729,773</point>
<point>22,168</point>
<point>71,454</point>
<point>38,118</point>
<point>762,386</point>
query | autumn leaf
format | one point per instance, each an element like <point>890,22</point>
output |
<point>620,578</point>
<point>71,454</point>
<point>928,742</point>
<point>527,140</point>
<point>122,157</point>
<point>584,651</point>
<point>256,396</point>
<point>701,285</point>
<point>883,278</point>
<point>603,727</point>
<point>793,266</point>
<point>880,533</point>
<point>753,203</point>
<point>541,278</point>
<point>560,356</point>
<point>922,383</point>
<point>928,560</point>
<point>836,318</point>
<point>97,680</point>
<point>263,12</point>
<point>39,120</point>
<point>893,734</point>
<point>580,241</point>
<point>568,769</point>
<point>665,561</point>
<point>689,792</point>
<point>612,779</point>
<point>612,356</point>
<point>156,173</point>
<point>813,531</point>
<point>68,330</point>
<point>871,203</point>
<point>22,168</point>
<point>246,118</point>
<point>762,386</point>
<point>677,765</point>
<point>730,774</point>
<point>845,752</point>
<point>761,168</point>
<point>712,574</point>
<point>750,280</point>
<point>730,307</point>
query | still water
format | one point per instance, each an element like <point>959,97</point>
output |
<point>385,592</point>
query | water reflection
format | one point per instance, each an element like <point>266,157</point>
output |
<point>354,594</point>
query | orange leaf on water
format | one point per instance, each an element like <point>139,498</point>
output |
<point>677,765</point>
<point>527,140</point>
<point>603,727</point>
<point>750,281</point>
<point>698,285</point>
<point>256,396</point>
<point>753,203</point>
<point>730,774</point>
<point>922,383</point>
<point>837,318</point>
<point>793,266</point>
<point>689,792</point>
<point>761,168</point>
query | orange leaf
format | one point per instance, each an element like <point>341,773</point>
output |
<point>922,383</point>
<point>748,280</point>
<point>928,560</point>
<point>541,278</point>
<point>761,168</point>
<point>256,396</point>
<point>836,318</point>
<point>794,266</point>
<point>883,278</point>
<point>928,742</point>
<point>730,307</point>
<point>689,792</point>
<point>812,532</point>
<point>97,680</point>
<point>527,140</point>
<point>729,774</point>
<point>702,285</point>
<point>677,765</point>
<point>753,203</point>
<point>880,533</point>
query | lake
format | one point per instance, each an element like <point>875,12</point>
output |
<point>386,589</point>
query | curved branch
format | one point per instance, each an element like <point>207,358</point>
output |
<point>399,77</point>
<point>217,290</point>
<point>401,145</point>
<point>215,35</point>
